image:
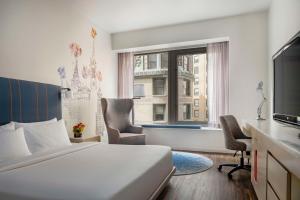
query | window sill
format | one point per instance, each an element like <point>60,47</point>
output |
<point>183,126</point>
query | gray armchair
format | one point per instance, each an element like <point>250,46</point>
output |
<point>235,140</point>
<point>116,113</point>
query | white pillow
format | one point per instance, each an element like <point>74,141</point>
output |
<point>8,127</point>
<point>46,136</point>
<point>19,124</point>
<point>13,145</point>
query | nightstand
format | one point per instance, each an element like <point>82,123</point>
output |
<point>89,138</point>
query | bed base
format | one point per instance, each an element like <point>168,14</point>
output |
<point>162,185</point>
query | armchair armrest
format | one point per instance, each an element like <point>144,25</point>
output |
<point>134,129</point>
<point>113,135</point>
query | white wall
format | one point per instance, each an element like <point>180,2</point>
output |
<point>187,139</point>
<point>284,23</point>
<point>247,65</point>
<point>247,56</point>
<point>35,37</point>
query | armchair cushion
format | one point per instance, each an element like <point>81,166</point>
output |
<point>132,138</point>
<point>134,129</point>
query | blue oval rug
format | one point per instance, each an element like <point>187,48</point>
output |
<point>190,163</point>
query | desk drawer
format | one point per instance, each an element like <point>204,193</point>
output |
<point>278,178</point>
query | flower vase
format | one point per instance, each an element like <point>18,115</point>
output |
<point>77,134</point>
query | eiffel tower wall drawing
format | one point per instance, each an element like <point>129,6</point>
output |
<point>85,83</point>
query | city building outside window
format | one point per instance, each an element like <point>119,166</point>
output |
<point>167,95</point>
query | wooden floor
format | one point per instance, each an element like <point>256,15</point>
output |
<point>211,184</point>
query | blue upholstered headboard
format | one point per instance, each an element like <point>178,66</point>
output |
<point>26,101</point>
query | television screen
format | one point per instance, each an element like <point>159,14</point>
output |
<point>287,80</point>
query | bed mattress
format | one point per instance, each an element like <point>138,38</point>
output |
<point>89,171</point>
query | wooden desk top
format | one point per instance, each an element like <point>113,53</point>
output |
<point>282,134</point>
<point>280,139</point>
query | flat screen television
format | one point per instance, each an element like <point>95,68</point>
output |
<point>287,82</point>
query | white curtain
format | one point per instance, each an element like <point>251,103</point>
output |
<point>218,81</point>
<point>125,75</point>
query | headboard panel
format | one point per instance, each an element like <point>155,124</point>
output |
<point>26,101</point>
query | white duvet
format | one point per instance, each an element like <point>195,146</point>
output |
<point>87,171</point>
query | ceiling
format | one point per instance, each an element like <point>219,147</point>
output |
<point>125,15</point>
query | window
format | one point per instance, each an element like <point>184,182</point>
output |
<point>152,61</point>
<point>196,113</point>
<point>171,87</point>
<point>196,82</point>
<point>159,112</point>
<point>164,60</point>
<point>138,63</point>
<point>187,63</point>
<point>196,102</point>
<point>138,90</point>
<point>186,87</point>
<point>159,86</point>
<point>196,70</point>
<point>196,92</point>
<point>196,59</point>
<point>186,111</point>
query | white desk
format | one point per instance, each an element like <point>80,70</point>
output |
<point>275,156</point>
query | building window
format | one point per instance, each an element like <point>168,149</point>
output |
<point>188,63</point>
<point>196,102</point>
<point>186,87</point>
<point>138,63</point>
<point>196,81</point>
<point>196,70</point>
<point>159,85</point>
<point>159,112</point>
<point>196,91</point>
<point>138,90</point>
<point>164,60</point>
<point>152,61</point>
<point>196,113</point>
<point>186,111</point>
<point>196,60</point>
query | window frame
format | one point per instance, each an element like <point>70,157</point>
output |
<point>172,89</point>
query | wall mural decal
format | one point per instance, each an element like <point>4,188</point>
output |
<point>85,84</point>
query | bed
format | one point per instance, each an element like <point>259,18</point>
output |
<point>90,171</point>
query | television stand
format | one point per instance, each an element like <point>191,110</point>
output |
<point>275,159</point>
